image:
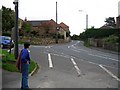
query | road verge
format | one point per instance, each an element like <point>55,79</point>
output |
<point>8,62</point>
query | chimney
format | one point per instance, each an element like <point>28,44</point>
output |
<point>25,19</point>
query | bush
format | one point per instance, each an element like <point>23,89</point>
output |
<point>6,34</point>
<point>98,33</point>
<point>111,39</point>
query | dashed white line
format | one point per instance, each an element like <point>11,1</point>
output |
<point>67,56</point>
<point>73,62</point>
<point>103,57</point>
<point>76,67</point>
<point>50,61</point>
<point>81,50</point>
<point>75,50</point>
<point>110,73</point>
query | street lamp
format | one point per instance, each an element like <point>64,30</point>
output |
<point>86,18</point>
<point>16,29</point>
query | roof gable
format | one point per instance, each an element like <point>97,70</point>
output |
<point>64,26</point>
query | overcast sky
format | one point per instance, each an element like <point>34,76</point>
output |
<point>68,11</point>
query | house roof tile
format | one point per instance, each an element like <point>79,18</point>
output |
<point>37,22</point>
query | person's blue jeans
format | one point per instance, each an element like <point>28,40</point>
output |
<point>25,73</point>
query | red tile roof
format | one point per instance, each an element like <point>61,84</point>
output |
<point>64,26</point>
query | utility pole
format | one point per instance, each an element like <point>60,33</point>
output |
<point>86,21</point>
<point>16,28</point>
<point>56,25</point>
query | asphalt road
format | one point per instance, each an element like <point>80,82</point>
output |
<point>72,65</point>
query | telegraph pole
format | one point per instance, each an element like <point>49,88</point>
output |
<point>16,29</point>
<point>86,21</point>
<point>56,25</point>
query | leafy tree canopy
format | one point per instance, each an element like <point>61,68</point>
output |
<point>8,17</point>
<point>110,21</point>
<point>26,27</point>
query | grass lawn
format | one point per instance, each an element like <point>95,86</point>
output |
<point>8,62</point>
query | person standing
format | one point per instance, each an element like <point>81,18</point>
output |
<point>25,63</point>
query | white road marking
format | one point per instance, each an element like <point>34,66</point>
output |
<point>110,73</point>
<point>80,49</point>
<point>103,57</point>
<point>47,50</point>
<point>38,46</point>
<point>62,53</point>
<point>76,67</point>
<point>75,50</point>
<point>67,56</point>
<point>50,61</point>
<point>41,46</point>
<point>74,63</point>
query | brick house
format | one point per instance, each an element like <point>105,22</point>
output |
<point>48,27</point>
<point>43,27</point>
<point>64,30</point>
<point>36,26</point>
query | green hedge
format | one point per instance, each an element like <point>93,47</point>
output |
<point>98,33</point>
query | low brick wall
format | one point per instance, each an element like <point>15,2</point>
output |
<point>109,46</point>
<point>104,45</point>
<point>40,41</point>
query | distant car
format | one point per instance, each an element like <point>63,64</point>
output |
<point>6,42</point>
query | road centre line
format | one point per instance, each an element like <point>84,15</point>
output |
<point>68,46</point>
<point>76,67</point>
<point>75,50</point>
<point>67,56</point>
<point>50,61</point>
<point>85,50</point>
<point>73,61</point>
<point>96,63</point>
<point>111,74</point>
<point>103,57</point>
<point>79,49</point>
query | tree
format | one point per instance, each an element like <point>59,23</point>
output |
<point>110,21</point>
<point>26,27</point>
<point>98,33</point>
<point>75,37</point>
<point>8,17</point>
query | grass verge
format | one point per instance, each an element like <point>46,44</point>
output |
<point>8,62</point>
